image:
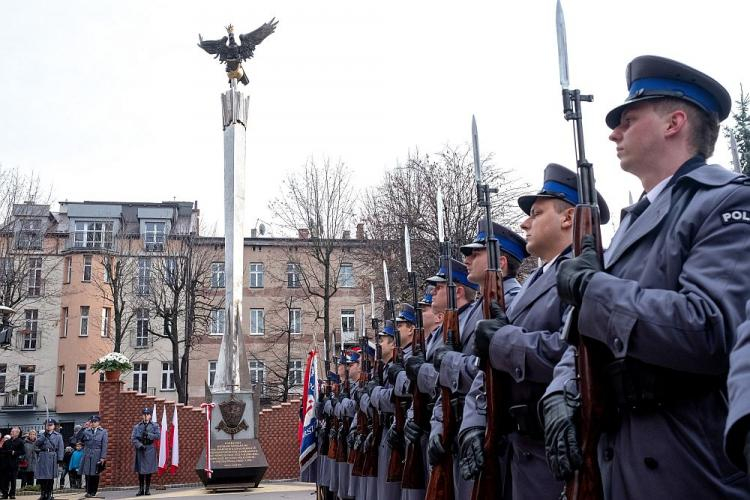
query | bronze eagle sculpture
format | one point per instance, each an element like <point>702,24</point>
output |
<point>231,54</point>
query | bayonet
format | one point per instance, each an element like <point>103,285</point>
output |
<point>386,284</point>
<point>441,230</point>
<point>475,147</point>
<point>407,248</point>
<point>562,47</point>
<point>735,153</point>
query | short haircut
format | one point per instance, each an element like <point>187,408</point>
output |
<point>513,265</point>
<point>704,125</point>
<point>469,293</point>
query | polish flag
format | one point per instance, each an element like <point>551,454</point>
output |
<point>154,416</point>
<point>163,443</point>
<point>174,438</point>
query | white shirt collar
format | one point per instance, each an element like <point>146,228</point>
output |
<point>546,266</point>
<point>656,190</point>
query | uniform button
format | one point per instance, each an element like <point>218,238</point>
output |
<point>518,372</point>
<point>609,454</point>
<point>651,463</point>
<point>617,344</point>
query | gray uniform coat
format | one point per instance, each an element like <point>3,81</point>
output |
<point>49,450</point>
<point>380,399</point>
<point>672,296</point>
<point>146,460</point>
<point>527,349</point>
<point>325,462</point>
<point>94,449</point>
<point>345,408</point>
<point>739,395</point>
<point>368,486</point>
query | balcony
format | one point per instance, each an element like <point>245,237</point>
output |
<point>350,337</point>
<point>154,247</point>
<point>71,245</point>
<point>15,400</point>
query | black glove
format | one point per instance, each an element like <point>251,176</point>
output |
<point>439,354</point>
<point>351,438</point>
<point>573,275</point>
<point>412,432</point>
<point>372,384</point>
<point>560,437</point>
<point>333,433</point>
<point>435,450</point>
<point>486,328</point>
<point>472,452</point>
<point>393,372</point>
<point>413,364</point>
<point>358,441</point>
<point>395,439</point>
<point>747,451</point>
<point>342,431</point>
<point>369,442</point>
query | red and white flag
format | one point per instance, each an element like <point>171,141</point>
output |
<point>163,443</point>
<point>174,438</point>
<point>154,416</point>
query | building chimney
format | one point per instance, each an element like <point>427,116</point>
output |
<point>253,233</point>
<point>304,233</point>
<point>360,231</point>
<point>347,235</point>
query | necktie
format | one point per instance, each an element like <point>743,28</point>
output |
<point>537,275</point>
<point>638,209</point>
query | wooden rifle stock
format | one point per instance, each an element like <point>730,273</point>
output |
<point>440,486</point>
<point>371,458</point>
<point>586,483</point>
<point>333,443</point>
<point>490,477</point>
<point>413,477</point>
<point>342,449</point>
<point>396,459</point>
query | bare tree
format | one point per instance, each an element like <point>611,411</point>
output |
<point>320,199</point>
<point>117,284</point>
<point>407,195</point>
<point>17,188</point>
<point>181,296</point>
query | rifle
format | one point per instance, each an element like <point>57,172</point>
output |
<point>586,482</point>
<point>413,477</point>
<point>342,449</point>
<point>396,460</point>
<point>490,477</point>
<point>371,457</point>
<point>356,457</point>
<point>440,486</point>
<point>333,443</point>
<point>324,394</point>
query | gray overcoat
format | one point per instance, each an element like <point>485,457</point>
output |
<point>94,449</point>
<point>380,399</point>
<point>49,450</point>
<point>146,457</point>
<point>672,296</point>
<point>739,395</point>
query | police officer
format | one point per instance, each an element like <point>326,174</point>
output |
<point>345,411</point>
<point>525,343</point>
<point>50,449</point>
<point>327,466</point>
<point>737,438</point>
<point>95,439</point>
<point>143,436</point>
<point>667,301</point>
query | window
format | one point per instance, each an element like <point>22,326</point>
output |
<point>3,370</point>
<point>144,276</point>
<point>295,372</point>
<point>347,320</point>
<point>218,321</point>
<point>106,321</point>
<point>257,323</point>
<point>35,276</point>
<point>217,275</point>
<point>64,323</point>
<point>295,320</point>
<point>84,321</point>
<point>154,236</point>
<point>30,234</point>
<point>211,372</point>
<point>60,380</point>
<point>258,374</point>
<point>292,275</point>
<point>26,379</point>
<point>167,376</point>
<point>140,377</point>
<point>256,275</point>
<point>346,276</point>
<point>81,380</point>
<point>86,268</point>
<point>89,234</point>
<point>67,269</point>
<point>141,328</point>
<point>31,332</point>
<point>170,270</point>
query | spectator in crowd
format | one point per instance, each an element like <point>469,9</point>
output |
<point>15,449</point>
<point>74,467</point>
<point>64,468</point>
<point>4,466</point>
<point>27,478</point>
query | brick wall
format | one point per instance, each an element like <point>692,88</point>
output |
<point>121,409</point>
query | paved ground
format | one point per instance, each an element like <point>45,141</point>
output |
<point>266,491</point>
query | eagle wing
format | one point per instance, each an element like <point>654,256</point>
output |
<point>250,40</point>
<point>217,47</point>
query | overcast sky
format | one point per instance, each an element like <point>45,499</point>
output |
<point>114,101</point>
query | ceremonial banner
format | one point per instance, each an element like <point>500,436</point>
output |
<point>163,443</point>
<point>308,422</point>
<point>174,437</point>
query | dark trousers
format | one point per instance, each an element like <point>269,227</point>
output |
<point>46,487</point>
<point>75,479</point>
<point>27,477</point>
<point>63,473</point>
<point>92,484</point>
<point>4,481</point>
<point>13,478</point>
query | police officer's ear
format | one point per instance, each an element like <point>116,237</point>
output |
<point>504,264</point>
<point>566,218</point>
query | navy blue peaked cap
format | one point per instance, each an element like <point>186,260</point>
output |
<point>561,183</point>
<point>427,298</point>
<point>654,77</point>
<point>407,314</point>
<point>510,242</point>
<point>388,329</point>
